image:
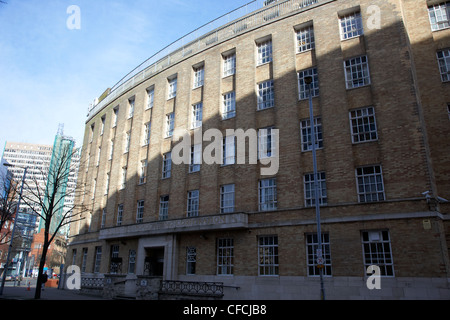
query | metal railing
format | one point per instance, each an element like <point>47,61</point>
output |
<point>249,16</point>
<point>211,289</point>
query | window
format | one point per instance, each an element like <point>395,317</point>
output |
<point>266,143</point>
<point>264,52</point>
<point>370,184</point>
<point>102,128</point>
<point>102,224</point>
<point>229,64</point>
<point>127,142</point>
<point>191,260</point>
<point>308,180</point>
<point>192,203</point>
<point>130,108</point>
<point>351,25</point>
<point>305,39</point>
<point>356,72</point>
<point>169,124</point>
<point>143,172</point>
<point>227,198</point>
<point>99,152</point>
<point>131,261</point>
<point>167,165</point>
<point>305,132</point>
<point>225,256</point>
<point>312,244</point>
<point>265,95</point>
<point>74,256</point>
<point>150,98</point>
<point>228,105</point>
<point>267,194</point>
<point>98,259</point>
<point>163,207</point>
<point>195,158</point>
<point>84,260</point>
<point>115,116</point>
<point>363,125</point>
<point>197,115</point>
<point>92,132</point>
<point>199,73</point>
<point>443,57</point>
<point>140,211</point>
<point>439,16</point>
<point>377,251</point>
<point>124,178</point>
<point>108,177</point>
<point>303,90</point>
<point>228,150</point>
<point>119,214</point>
<point>172,88</point>
<point>268,255</point>
<point>115,264</point>
<point>147,131</point>
<point>111,150</point>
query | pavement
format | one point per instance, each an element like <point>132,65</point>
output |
<point>25,293</point>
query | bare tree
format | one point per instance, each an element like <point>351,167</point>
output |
<point>8,201</point>
<point>48,202</point>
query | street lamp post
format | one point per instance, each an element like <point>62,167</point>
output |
<point>13,230</point>
<point>319,257</point>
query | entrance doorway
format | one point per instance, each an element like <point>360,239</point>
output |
<point>154,262</point>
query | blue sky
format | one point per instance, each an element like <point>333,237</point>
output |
<point>49,73</point>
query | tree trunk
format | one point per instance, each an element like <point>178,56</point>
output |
<point>37,294</point>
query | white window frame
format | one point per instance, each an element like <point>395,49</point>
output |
<point>225,256</point>
<point>357,73</point>
<point>305,133</point>
<point>199,76</point>
<point>191,260</point>
<point>98,259</point>
<point>132,262</point>
<point>102,128</point>
<point>143,172</point>
<point>266,97</point>
<point>147,132</point>
<point>170,124</point>
<point>119,215</point>
<point>115,116</point>
<point>228,150</point>
<point>369,183</point>
<point>123,181</point>
<point>127,142</point>
<point>308,184</point>
<point>193,199</point>
<point>108,179</point>
<point>229,64</point>
<point>312,245</point>
<point>266,143</point>
<point>167,165</point>
<point>267,194</point>
<point>111,150</point>
<point>268,259</point>
<point>303,92</point>
<point>131,103</point>
<point>164,207</point>
<point>227,195</point>
<point>228,105</point>
<point>265,52</point>
<point>439,15</point>
<point>172,88</point>
<point>305,39</point>
<point>102,223</point>
<point>150,98</point>
<point>140,211</point>
<point>195,158</point>
<point>374,244</point>
<point>443,59</point>
<point>350,25</point>
<point>363,125</point>
<point>197,115</point>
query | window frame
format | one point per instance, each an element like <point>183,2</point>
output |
<point>359,119</point>
<point>366,179</point>
<point>267,194</point>
<point>268,255</point>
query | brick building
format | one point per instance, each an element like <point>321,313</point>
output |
<point>381,96</point>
